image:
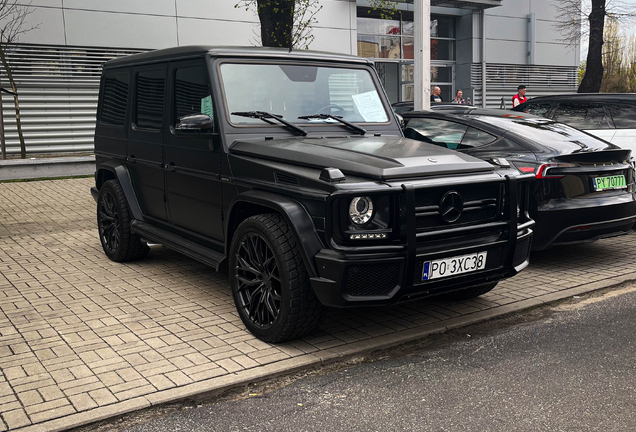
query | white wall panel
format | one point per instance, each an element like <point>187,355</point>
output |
<point>46,3</point>
<point>505,28</point>
<point>544,9</point>
<point>149,7</point>
<point>332,40</point>
<point>106,29</point>
<point>50,30</point>
<point>214,9</point>
<point>556,55</point>
<point>508,52</point>
<point>547,33</point>
<point>511,8</point>
<point>208,32</point>
<point>334,14</point>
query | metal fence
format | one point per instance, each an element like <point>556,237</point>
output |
<point>502,82</point>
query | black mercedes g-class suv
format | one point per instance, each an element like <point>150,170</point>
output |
<point>290,170</point>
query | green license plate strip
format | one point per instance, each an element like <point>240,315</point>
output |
<point>610,182</point>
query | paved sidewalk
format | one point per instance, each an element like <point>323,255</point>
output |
<point>83,338</point>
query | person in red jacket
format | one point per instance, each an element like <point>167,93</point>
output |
<point>520,97</point>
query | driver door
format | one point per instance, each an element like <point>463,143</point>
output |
<point>193,158</point>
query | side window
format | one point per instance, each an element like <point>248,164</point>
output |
<point>582,115</point>
<point>476,138</point>
<point>434,131</point>
<point>539,109</point>
<point>624,115</point>
<point>150,99</point>
<point>192,92</point>
<point>115,99</point>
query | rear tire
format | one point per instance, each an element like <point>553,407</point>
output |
<point>270,284</point>
<point>120,244</point>
<point>468,293</point>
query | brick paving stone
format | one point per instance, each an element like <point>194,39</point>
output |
<point>78,331</point>
<point>82,402</point>
<point>16,418</point>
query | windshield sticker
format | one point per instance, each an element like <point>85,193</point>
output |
<point>370,107</point>
<point>206,106</point>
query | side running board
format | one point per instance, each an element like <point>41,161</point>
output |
<point>177,243</point>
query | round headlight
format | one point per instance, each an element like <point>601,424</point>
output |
<point>361,210</point>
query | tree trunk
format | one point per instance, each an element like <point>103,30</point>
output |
<point>593,77</point>
<point>14,88</point>
<point>277,22</point>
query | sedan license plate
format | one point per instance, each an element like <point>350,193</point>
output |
<point>609,182</point>
<point>453,266</point>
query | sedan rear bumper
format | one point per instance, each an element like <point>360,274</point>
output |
<point>563,225</point>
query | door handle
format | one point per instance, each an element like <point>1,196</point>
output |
<point>171,167</point>
<point>132,159</point>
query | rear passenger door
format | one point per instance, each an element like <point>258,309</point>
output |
<point>145,139</point>
<point>193,159</point>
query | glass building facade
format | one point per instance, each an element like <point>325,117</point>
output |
<point>390,42</point>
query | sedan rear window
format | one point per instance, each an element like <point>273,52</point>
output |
<point>582,115</point>
<point>441,132</point>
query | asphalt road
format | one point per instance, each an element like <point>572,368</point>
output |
<point>565,368</point>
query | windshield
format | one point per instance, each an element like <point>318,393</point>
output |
<point>557,136</point>
<point>294,91</point>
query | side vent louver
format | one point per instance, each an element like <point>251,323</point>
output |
<point>286,179</point>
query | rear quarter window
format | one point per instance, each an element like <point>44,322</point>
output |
<point>115,99</point>
<point>623,114</point>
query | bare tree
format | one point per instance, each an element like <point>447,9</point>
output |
<point>585,19</point>
<point>288,23</point>
<point>13,23</point>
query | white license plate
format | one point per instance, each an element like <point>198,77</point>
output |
<point>453,266</point>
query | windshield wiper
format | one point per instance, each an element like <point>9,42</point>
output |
<point>267,117</point>
<point>351,126</point>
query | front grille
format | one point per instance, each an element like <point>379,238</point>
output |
<point>369,280</point>
<point>481,203</point>
<point>521,251</point>
<point>493,261</point>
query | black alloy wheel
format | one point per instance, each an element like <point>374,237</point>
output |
<point>113,223</point>
<point>258,280</point>
<point>109,222</point>
<point>269,280</point>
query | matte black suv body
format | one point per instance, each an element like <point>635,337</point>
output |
<point>336,210</point>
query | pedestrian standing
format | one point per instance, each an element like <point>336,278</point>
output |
<point>458,98</point>
<point>435,97</point>
<point>520,97</point>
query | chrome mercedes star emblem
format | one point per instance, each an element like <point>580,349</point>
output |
<point>451,206</point>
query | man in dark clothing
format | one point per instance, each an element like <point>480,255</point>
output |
<point>435,97</point>
<point>520,97</point>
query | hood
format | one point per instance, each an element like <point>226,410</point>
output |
<point>381,158</point>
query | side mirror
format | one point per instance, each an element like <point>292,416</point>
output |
<point>400,120</point>
<point>195,122</point>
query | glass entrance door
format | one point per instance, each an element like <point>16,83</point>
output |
<point>442,76</point>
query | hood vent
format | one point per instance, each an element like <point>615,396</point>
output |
<point>286,179</point>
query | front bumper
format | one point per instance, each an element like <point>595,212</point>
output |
<point>387,278</point>
<point>377,276</point>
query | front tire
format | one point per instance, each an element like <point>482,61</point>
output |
<point>270,284</point>
<point>120,244</point>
